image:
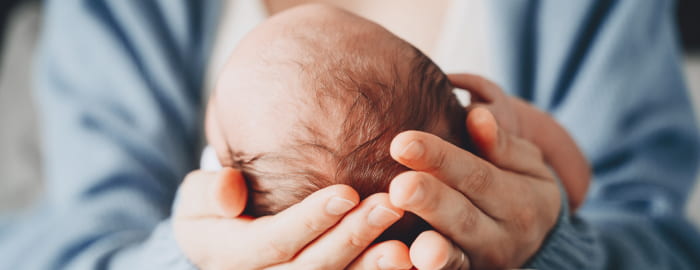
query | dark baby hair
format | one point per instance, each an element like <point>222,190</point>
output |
<point>379,98</point>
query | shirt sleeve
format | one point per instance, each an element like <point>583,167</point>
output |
<point>610,72</point>
<point>118,88</point>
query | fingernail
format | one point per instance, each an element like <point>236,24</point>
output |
<point>412,151</point>
<point>385,264</point>
<point>339,206</point>
<point>382,216</point>
<point>417,195</point>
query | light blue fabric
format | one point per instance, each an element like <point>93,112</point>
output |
<point>119,81</point>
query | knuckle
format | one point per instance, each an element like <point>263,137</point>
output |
<point>357,241</point>
<point>427,206</point>
<point>437,161</point>
<point>524,219</point>
<point>478,180</point>
<point>277,253</point>
<point>312,226</point>
<point>468,222</point>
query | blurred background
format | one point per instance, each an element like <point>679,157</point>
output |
<point>20,168</point>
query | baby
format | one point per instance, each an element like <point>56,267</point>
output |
<point>313,97</point>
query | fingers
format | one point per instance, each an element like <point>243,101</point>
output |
<point>444,208</point>
<point>487,93</point>
<point>389,255</point>
<point>503,149</point>
<point>207,194</point>
<point>267,240</point>
<point>480,88</point>
<point>456,167</point>
<point>343,243</point>
<point>433,251</point>
<point>287,233</point>
<point>559,148</point>
<point>205,202</point>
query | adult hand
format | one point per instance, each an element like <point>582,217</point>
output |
<point>520,119</point>
<point>491,214</point>
<point>330,229</point>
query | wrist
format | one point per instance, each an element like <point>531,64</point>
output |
<point>569,244</point>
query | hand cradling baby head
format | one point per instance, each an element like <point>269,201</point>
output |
<point>313,97</point>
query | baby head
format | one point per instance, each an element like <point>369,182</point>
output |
<point>313,97</point>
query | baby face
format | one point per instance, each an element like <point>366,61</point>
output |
<point>313,97</point>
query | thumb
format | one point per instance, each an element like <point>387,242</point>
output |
<point>221,194</point>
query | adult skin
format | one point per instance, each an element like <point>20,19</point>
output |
<point>470,202</point>
<point>328,230</point>
<point>520,224</point>
<point>491,213</point>
<point>120,116</point>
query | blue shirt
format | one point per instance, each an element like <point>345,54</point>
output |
<point>119,89</point>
